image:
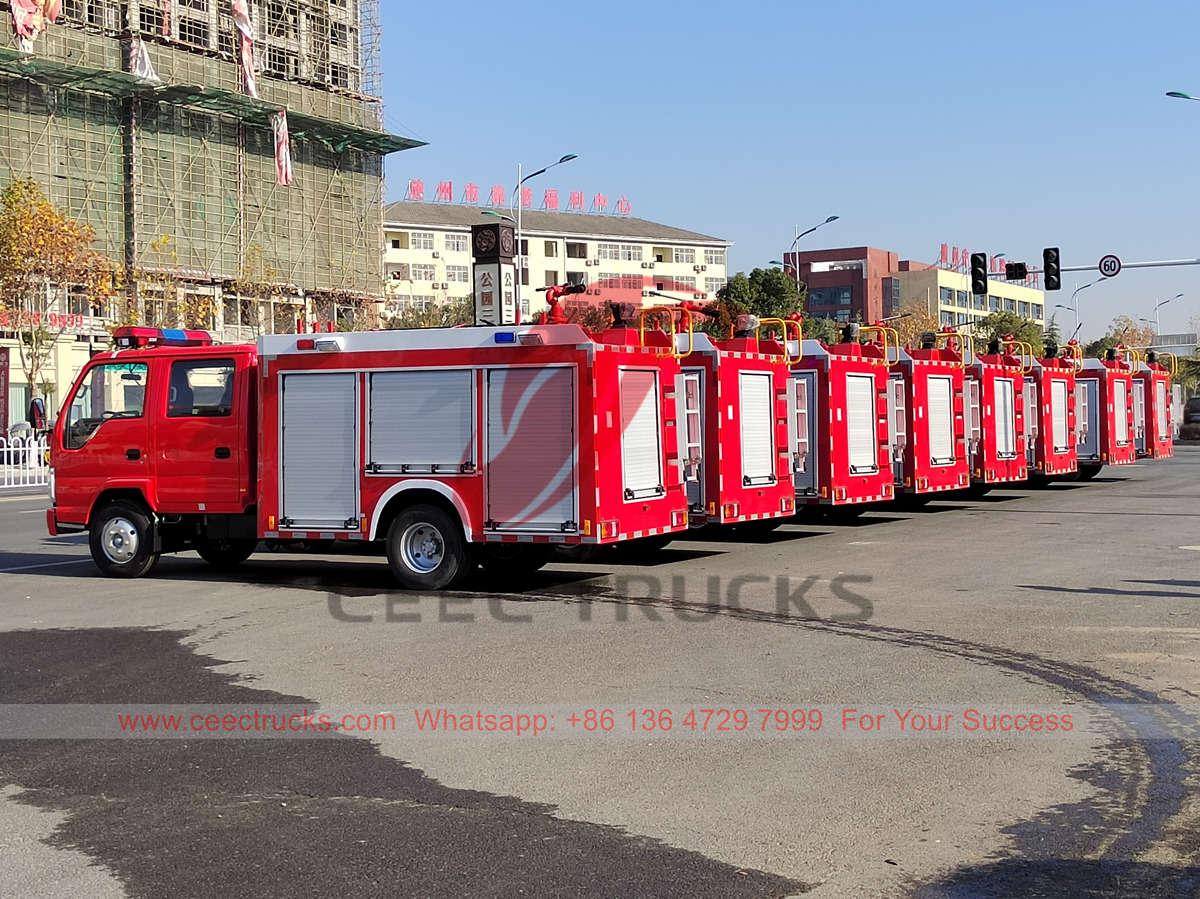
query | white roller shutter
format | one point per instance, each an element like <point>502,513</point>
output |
<point>758,427</point>
<point>319,459</point>
<point>941,420</point>
<point>1058,416</point>
<point>531,455</point>
<point>862,422</point>
<point>1120,394</point>
<point>1162,419</point>
<point>422,421</point>
<point>641,433</point>
<point>1006,419</point>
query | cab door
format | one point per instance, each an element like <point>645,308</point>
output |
<point>199,454</point>
<point>103,440</point>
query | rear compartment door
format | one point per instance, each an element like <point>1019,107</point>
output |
<point>691,413</point>
<point>941,420</point>
<point>1120,410</point>
<point>641,435</point>
<point>532,459</point>
<point>861,424</point>
<point>1087,413</point>
<point>1060,435</point>
<point>1162,416</point>
<point>898,425</point>
<point>757,428</point>
<point>319,465</point>
<point>1139,414</point>
<point>803,387</point>
<point>1006,419</point>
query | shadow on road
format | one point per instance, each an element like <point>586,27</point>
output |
<point>1047,877</point>
<point>329,816</point>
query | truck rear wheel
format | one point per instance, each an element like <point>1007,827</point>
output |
<point>121,539</point>
<point>426,549</point>
<point>1087,472</point>
<point>225,555</point>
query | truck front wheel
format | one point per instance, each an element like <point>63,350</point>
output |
<point>121,539</point>
<point>426,549</point>
<point>225,555</point>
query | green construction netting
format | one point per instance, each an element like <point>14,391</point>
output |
<point>335,135</point>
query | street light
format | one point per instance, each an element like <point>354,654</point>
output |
<point>796,240</point>
<point>1074,307</point>
<point>1159,305</point>
<point>499,215</point>
<point>521,179</point>
<point>1180,95</point>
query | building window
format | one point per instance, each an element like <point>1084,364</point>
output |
<point>457,243</point>
<point>676,282</point>
<point>460,274</point>
<point>576,250</point>
<point>946,295</point>
<point>400,272</point>
<point>1010,305</point>
<point>963,299</point>
<point>577,277</point>
<point>423,272</point>
<point>948,318</point>
<point>624,252</point>
<point>685,255</point>
<point>1023,310</point>
<point>714,257</point>
<point>421,240</point>
<point>1036,311</point>
<point>994,304</point>
<point>551,249</point>
<point>525,275</point>
<point>713,285</point>
<point>632,282</point>
<point>395,243</point>
<point>551,277</point>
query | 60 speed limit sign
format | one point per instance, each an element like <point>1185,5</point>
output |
<point>1110,266</point>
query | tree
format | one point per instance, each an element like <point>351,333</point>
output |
<point>916,320</point>
<point>1098,348</point>
<point>1002,324</point>
<point>1053,333</point>
<point>766,292</point>
<point>439,315</point>
<point>43,252</point>
<point>825,330</point>
<point>1124,330</point>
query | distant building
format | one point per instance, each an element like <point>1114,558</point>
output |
<point>868,284</point>
<point>427,256</point>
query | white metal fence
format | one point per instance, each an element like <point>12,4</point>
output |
<point>23,463</point>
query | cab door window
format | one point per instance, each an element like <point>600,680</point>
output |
<point>201,388</point>
<point>112,390</point>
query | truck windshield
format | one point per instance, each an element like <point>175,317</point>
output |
<point>114,390</point>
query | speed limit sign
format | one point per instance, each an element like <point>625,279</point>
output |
<point>1110,266</point>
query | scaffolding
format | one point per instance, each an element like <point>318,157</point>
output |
<point>186,161</point>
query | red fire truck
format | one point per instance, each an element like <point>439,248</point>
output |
<point>1104,407</point>
<point>839,394</point>
<point>452,447</point>
<point>927,417</point>
<point>1152,413</point>
<point>1051,418</point>
<point>735,435</point>
<point>999,406</point>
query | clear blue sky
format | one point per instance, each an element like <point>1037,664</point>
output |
<point>1005,130</point>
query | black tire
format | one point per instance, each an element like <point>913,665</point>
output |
<point>1087,472</point>
<point>1038,481</point>
<point>121,538</point>
<point>426,549</point>
<point>226,555</point>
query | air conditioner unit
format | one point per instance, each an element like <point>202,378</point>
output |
<point>645,265</point>
<point>647,293</point>
<point>698,296</point>
<point>704,268</point>
<point>437,255</point>
<point>697,268</point>
<point>588,263</point>
<point>650,264</point>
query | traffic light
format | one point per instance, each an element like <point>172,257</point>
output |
<point>1016,271</point>
<point>979,274</point>
<point>1052,268</point>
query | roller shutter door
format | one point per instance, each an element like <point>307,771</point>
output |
<point>861,421</point>
<point>941,420</point>
<point>319,467</point>
<point>641,435</point>
<point>758,426</point>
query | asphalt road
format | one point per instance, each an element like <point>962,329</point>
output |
<point>1077,600</point>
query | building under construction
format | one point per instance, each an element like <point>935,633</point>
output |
<point>152,121</point>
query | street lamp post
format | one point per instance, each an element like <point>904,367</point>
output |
<point>1159,305</point>
<point>521,179</point>
<point>796,240</point>
<point>1074,307</point>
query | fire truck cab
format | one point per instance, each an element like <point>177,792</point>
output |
<point>1104,406</point>
<point>452,447</point>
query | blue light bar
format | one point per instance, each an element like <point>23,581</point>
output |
<point>174,335</point>
<point>506,337</point>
